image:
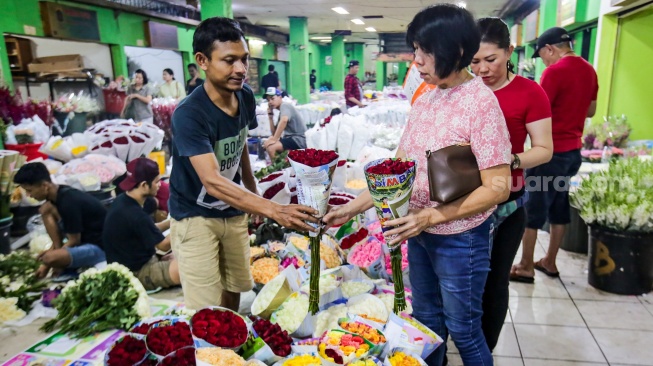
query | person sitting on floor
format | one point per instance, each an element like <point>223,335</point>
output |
<point>131,237</point>
<point>68,214</point>
<point>290,132</point>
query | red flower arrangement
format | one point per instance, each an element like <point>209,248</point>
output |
<point>326,121</point>
<point>144,328</point>
<point>312,157</point>
<point>126,352</point>
<point>163,340</point>
<point>272,191</point>
<point>220,328</point>
<point>182,357</point>
<point>276,338</point>
<point>391,166</point>
<point>270,177</point>
<point>349,241</point>
<point>294,200</point>
<point>338,201</point>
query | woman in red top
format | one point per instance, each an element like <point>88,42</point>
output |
<point>528,112</point>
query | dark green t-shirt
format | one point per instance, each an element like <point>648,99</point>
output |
<point>200,127</point>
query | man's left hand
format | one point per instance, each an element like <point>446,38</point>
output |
<point>408,226</point>
<point>269,142</point>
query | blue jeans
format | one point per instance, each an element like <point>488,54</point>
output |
<point>447,274</point>
<point>85,255</point>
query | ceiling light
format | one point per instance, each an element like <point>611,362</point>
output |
<point>370,29</point>
<point>325,41</point>
<point>462,4</point>
<point>257,42</point>
<point>340,10</point>
<point>357,21</point>
<point>316,38</point>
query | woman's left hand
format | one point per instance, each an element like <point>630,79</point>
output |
<point>408,226</point>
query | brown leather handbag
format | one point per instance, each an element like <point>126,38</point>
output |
<point>453,173</point>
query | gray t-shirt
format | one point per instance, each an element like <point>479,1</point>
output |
<point>295,126</point>
<point>139,110</point>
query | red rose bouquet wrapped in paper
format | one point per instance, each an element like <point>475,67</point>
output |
<point>268,343</point>
<point>165,338</point>
<point>220,327</point>
<point>390,182</point>
<point>127,351</point>
<point>314,170</point>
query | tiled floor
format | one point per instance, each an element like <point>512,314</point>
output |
<point>566,322</point>
<point>554,322</point>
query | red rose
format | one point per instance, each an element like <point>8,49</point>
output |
<point>349,241</point>
<point>391,166</point>
<point>126,352</point>
<point>312,157</point>
<point>277,339</point>
<point>272,191</point>
<point>166,339</point>
<point>144,328</point>
<point>270,177</point>
<point>219,328</point>
<point>182,357</point>
<point>338,201</point>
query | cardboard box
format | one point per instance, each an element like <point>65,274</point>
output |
<point>54,64</point>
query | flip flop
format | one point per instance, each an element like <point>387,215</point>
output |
<point>541,268</point>
<point>522,279</point>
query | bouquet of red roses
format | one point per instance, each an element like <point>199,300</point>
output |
<point>314,170</point>
<point>219,327</point>
<point>268,343</point>
<point>127,351</point>
<point>165,337</point>
<point>390,182</point>
<point>181,357</point>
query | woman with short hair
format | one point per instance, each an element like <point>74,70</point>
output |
<point>139,96</point>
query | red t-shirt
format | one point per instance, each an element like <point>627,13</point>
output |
<point>522,101</point>
<point>571,85</point>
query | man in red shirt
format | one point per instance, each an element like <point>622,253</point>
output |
<point>353,89</point>
<point>571,84</point>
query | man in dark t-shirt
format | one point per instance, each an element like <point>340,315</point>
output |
<point>130,235</point>
<point>73,219</point>
<point>195,81</point>
<point>313,79</point>
<point>212,185</point>
<point>270,80</point>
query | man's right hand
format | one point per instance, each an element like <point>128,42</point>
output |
<point>42,271</point>
<point>294,217</point>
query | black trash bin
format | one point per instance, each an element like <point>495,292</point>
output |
<point>620,262</point>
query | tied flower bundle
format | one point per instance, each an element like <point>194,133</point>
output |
<point>314,170</point>
<point>390,182</point>
<point>400,358</point>
<point>18,282</point>
<point>341,348</point>
<point>162,110</point>
<point>76,103</point>
<point>220,328</point>
<point>302,360</point>
<point>127,351</point>
<point>276,338</point>
<point>619,198</point>
<point>370,334</point>
<point>182,357</point>
<point>100,300</point>
<point>165,338</point>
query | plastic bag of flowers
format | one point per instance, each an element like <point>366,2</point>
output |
<point>356,287</point>
<point>367,361</point>
<point>182,357</point>
<point>308,359</point>
<point>216,356</point>
<point>268,342</point>
<point>126,351</point>
<point>338,347</point>
<point>219,327</point>
<point>111,298</point>
<point>168,336</point>
<point>402,357</point>
<point>368,307</point>
<point>293,316</point>
<point>369,333</point>
<point>368,255</point>
<point>273,294</point>
<point>330,290</point>
<point>407,333</point>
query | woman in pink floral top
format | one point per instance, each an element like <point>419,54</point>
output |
<point>449,246</point>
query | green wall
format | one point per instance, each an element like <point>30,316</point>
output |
<point>631,86</point>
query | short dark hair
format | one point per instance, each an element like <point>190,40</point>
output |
<point>170,72</point>
<point>312,71</point>
<point>193,66</point>
<point>215,29</point>
<point>494,30</point>
<point>32,174</point>
<point>444,31</point>
<point>270,68</point>
<point>145,80</point>
<point>335,112</point>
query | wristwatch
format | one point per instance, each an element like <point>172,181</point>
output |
<point>516,162</point>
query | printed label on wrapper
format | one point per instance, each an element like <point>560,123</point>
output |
<point>390,192</point>
<point>314,186</point>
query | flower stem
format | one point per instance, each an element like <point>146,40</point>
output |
<point>398,279</point>
<point>314,292</point>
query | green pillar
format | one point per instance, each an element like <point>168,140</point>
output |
<point>338,58</point>
<point>401,73</point>
<point>605,64</point>
<point>298,66</point>
<point>548,19</point>
<point>381,70</point>
<point>5,69</point>
<point>217,8</point>
<point>359,54</point>
<point>119,58</point>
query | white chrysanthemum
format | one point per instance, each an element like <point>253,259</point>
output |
<point>9,311</point>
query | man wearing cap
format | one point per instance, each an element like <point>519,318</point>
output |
<point>571,84</point>
<point>353,88</point>
<point>212,186</point>
<point>289,133</point>
<point>131,237</point>
<point>73,219</point>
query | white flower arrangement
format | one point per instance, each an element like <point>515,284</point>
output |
<point>619,198</point>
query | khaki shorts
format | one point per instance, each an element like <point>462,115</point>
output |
<point>213,255</point>
<point>155,274</point>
